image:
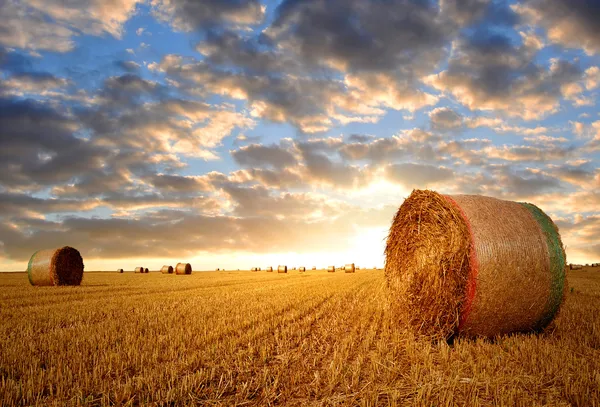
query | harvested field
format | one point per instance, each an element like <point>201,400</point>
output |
<point>261,339</point>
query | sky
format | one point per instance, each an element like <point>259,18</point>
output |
<point>241,133</point>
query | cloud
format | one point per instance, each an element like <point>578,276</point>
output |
<point>444,118</point>
<point>489,72</point>
<point>52,24</point>
<point>573,24</point>
<point>257,155</point>
<point>186,15</point>
<point>129,66</point>
<point>419,176</point>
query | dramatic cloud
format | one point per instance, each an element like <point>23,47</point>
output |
<point>570,23</point>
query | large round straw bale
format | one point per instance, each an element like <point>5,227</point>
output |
<point>139,270</point>
<point>349,268</point>
<point>302,269</point>
<point>167,269</point>
<point>119,270</point>
<point>269,269</point>
<point>331,269</point>
<point>146,270</point>
<point>62,266</point>
<point>474,265</point>
<point>183,268</point>
<point>282,269</point>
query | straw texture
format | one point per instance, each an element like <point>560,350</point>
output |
<point>183,268</point>
<point>474,265</point>
<point>55,267</point>
<point>168,269</point>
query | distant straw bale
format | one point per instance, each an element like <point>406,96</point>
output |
<point>302,269</point>
<point>139,270</point>
<point>473,265</point>
<point>282,269</point>
<point>349,268</point>
<point>54,267</point>
<point>331,269</point>
<point>314,268</point>
<point>119,270</point>
<point>575,266</point>
<point>146,270</point>
<point>166,269</point>
<point>269,269</point>
<point>183,268</point>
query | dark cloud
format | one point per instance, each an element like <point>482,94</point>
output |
<point>572,23</point>
<point>444,118</point>
<point>39,146</point>
<point>257,155</point>
<point>490,71</point>
<point>190,15</point>
<point>129,66</point>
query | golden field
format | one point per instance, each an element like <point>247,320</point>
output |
<point>243,338</point>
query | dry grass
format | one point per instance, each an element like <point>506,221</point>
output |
<point>262,339</point>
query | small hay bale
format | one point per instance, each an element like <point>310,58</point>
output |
<point>54,267</point>
<point>254,269</point>
<point>139,270</point>
<point>575,266</point>
<point>146,270</point>
<point>166,269</point>
<point>349,268</point>
<point>473,265</point>
<point>282,269</point>
<point>119,270</point>
<point>314,267</point>
<point>331,269</point>
<point>183,268</point>
<point>302,269</point>
<point>269,269</point>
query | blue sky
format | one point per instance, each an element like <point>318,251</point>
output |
<point>242,133</point>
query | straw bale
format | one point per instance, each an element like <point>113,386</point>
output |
<point>54,267</point>
<point>139,270</point>
<point>349,268</point>
<point>331,269</point>
<point>282,269</point>
<point>183,268</point>
<point>314,268</point>
<point>146,270</point>
<point>119,270</point>
<point>269,269</point>
<point>302,269</point>
<point>166,269</point>
<point>473,265</point>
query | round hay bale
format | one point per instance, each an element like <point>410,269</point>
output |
<point>314,268</point>
<point>254,269</point>
<point>282,269</point>
<point>53,267</point>
<point>302,269</point>
<point>269,269</point>
<point>139,270</point>
<point>167,269</point>
<point>183,268</point>
<point>473,265</point>
<point>120,271</point>
<point>331,269</point>
<point>349,268</point>
<point>146,270</point>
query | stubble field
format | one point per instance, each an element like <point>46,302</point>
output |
<point>242,338</point>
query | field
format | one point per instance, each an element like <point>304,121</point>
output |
<point>242,338</point>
